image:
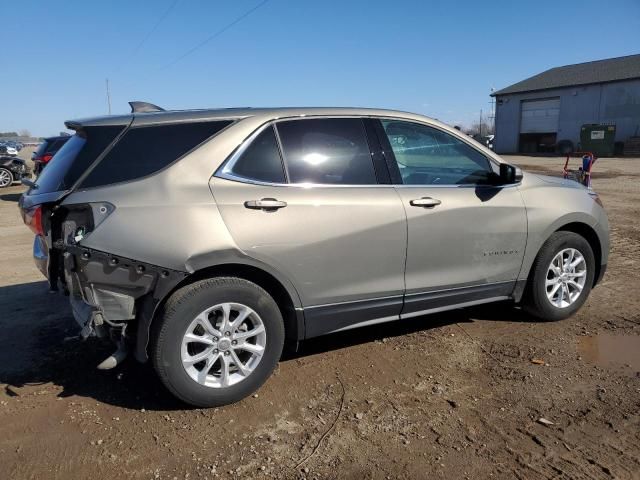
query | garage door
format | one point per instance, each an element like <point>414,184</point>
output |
<point>540,116</point>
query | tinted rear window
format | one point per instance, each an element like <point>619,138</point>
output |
<point>146,150</point>
<point>51,145</point>
<point>56,145</point>
<point>75,156</point>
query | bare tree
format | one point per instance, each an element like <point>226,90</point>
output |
<point>24,133</point>
<point>474,129</point>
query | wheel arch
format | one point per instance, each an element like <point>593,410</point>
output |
<point>574,225</point>
<point>590,235</point>
<point>288,302</point>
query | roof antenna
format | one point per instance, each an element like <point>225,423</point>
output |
<point>144,107</point>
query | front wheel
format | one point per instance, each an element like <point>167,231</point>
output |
<point>217,341</point>
<point>6,178</point>
<point>561,277</point>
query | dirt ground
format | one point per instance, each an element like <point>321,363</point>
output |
<point>456,395</point>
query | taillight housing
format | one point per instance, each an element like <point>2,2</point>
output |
<point>46,157</point>
<point>33,219</point>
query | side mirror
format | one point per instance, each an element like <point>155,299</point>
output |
<point>509,174</point>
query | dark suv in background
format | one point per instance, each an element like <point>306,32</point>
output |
<point>46,150</point>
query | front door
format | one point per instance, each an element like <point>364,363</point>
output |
<point>318,216</point>
<point>466,238</point>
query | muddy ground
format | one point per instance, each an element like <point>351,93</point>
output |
<point>454,395</point>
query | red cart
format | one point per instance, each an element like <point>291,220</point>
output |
<point>583,173</point>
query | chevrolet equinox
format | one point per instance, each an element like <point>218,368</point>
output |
<point>205,240</point>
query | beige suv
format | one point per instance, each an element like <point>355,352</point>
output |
<point>204,240</point>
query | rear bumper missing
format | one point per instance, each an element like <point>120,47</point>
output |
<point>111,291</point>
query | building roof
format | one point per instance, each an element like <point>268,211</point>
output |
<point>599,71</point>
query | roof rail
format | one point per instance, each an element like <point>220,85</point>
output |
<point>144,107</point>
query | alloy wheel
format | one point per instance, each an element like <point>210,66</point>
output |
<point>223,345</point>
<point>566,276</point>
<point>5,178</point>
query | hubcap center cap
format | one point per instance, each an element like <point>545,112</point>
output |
<point>224,344</point>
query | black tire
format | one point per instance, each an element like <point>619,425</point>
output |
<point>182,308</point>
<point>535,301</point>
<point>3,172</point>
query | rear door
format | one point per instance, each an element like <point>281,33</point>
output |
<point>466,238</point>
<point>304,197</point>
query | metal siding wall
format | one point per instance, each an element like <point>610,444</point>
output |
<point>620,103</point>
<point>578,105</point>
<point>507,124</point>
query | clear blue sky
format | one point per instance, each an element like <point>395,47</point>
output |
<point>437,58</point>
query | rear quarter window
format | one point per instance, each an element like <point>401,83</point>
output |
<point>261,160</point>
<point>145,150</point>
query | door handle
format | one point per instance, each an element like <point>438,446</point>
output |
<point>266,204</point>
<point>425,202</point>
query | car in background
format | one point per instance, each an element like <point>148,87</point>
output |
<point>46,150</point>
<point>11,143</point>
<point>8,150</point>
<point>12,169</point>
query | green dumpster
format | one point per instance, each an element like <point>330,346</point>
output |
<point>598,139</point>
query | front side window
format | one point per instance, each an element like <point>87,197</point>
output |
<point>427,156</point>
<point>327,151</point>
<point>261,160</point>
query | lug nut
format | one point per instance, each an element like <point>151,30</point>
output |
<point>215,339</point>
<point>215,351</point>
<point>226,334</point>
<point>235,342</point>
<point>226,353</point>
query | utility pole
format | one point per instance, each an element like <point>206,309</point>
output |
<point>480,124</point>
<point>108,97</point>
<point>492,106</point>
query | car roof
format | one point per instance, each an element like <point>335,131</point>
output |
<point>261,114</point>
<point>177,116</point>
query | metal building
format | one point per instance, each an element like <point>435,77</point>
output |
<point>538,113</point>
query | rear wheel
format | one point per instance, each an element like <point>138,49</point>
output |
<point>217,341</point>
<point>6,178</point>
<point>561,277</point>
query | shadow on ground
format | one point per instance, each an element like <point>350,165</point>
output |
<point>37,348</point>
